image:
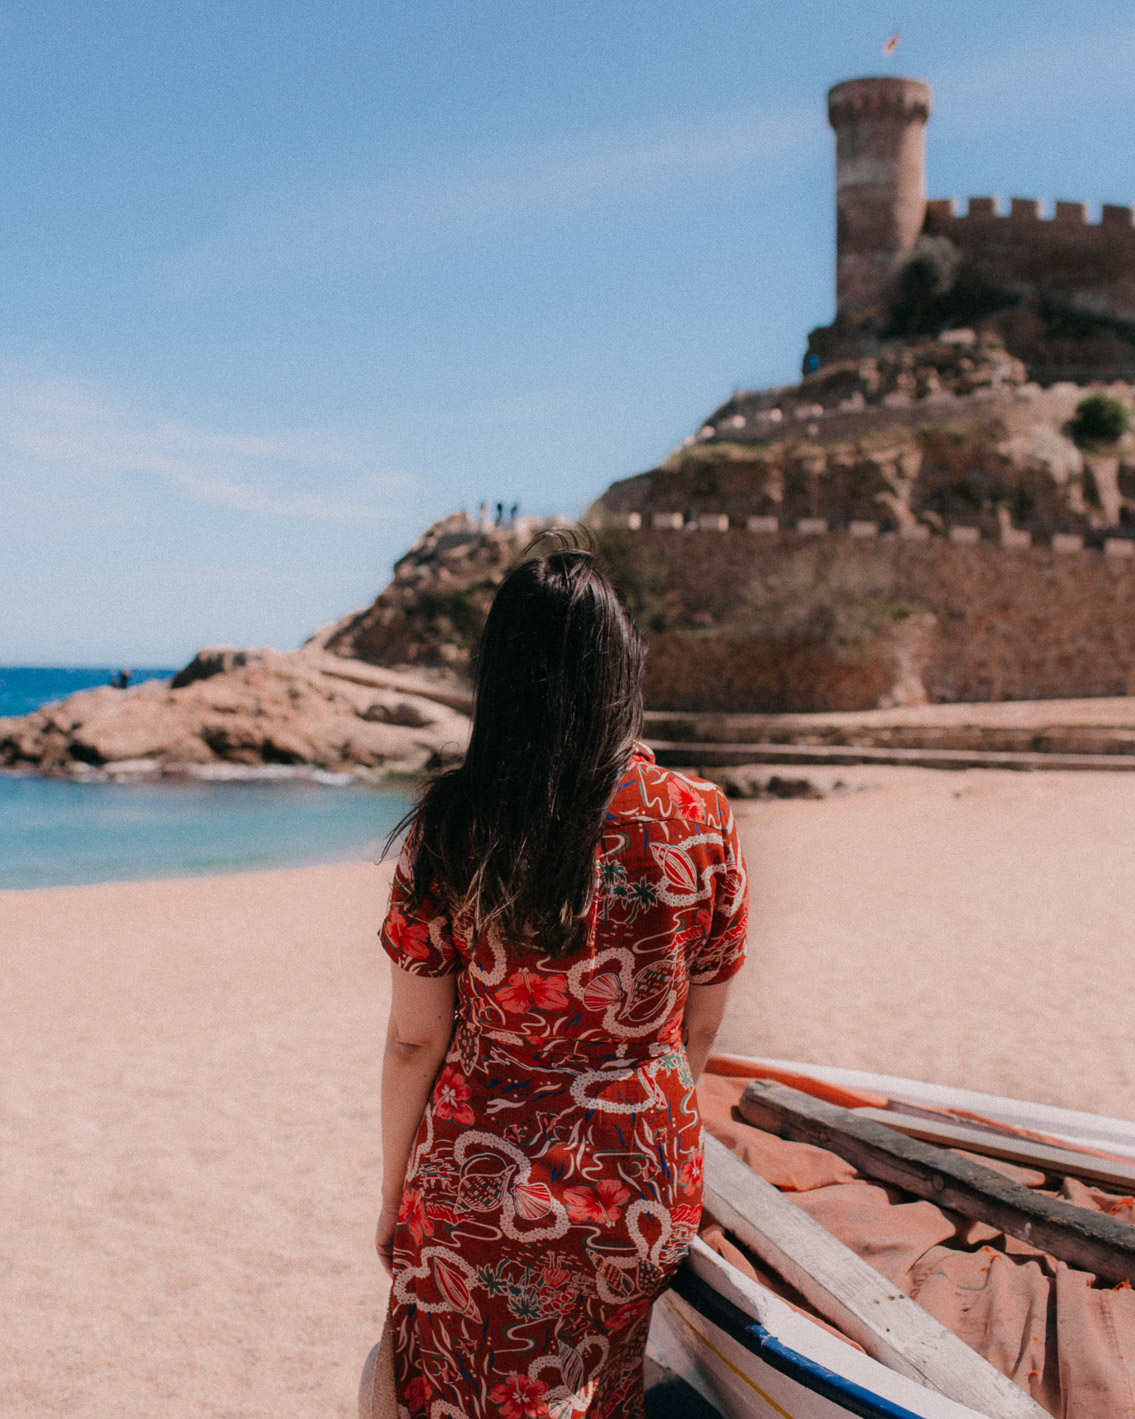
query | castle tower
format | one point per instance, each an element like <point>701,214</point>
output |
<point>880,181</point>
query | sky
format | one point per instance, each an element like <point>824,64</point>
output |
<point>281,283</point>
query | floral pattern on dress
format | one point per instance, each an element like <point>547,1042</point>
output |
<point>555,1181</point>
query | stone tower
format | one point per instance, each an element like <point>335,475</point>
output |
<point>880,181</point>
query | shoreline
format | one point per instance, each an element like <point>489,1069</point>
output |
<point>62,832</point>
<point>153,770</point>
<point>952,897</point>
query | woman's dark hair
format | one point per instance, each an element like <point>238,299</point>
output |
<point>509,838</point>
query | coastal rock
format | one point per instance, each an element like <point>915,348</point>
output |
<point>252,708</point>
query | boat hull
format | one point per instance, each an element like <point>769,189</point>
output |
<point>750,1355</point>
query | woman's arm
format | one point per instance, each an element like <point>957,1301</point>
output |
<point>417,1039</point>
<point>705,1009</point>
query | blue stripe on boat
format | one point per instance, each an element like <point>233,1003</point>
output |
<point>758,1341</point>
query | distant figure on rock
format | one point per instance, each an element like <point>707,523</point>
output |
<point>500,514</point>
<point>513,510</point>
<point>121,681</point>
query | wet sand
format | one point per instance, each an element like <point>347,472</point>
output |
<point>190,1068</point>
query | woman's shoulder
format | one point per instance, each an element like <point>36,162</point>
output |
<point>649,791</point>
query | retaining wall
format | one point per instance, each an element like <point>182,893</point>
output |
<point>1009,622</point>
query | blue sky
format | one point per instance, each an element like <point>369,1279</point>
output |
<point>281,282</point>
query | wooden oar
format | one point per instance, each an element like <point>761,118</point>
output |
<point>1091,1241</point>
<point>1060,1162</point>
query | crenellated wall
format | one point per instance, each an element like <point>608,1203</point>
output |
<point>1092,264</point>
<point>986,622</point>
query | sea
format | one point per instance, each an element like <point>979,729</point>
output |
<point>57,832</point>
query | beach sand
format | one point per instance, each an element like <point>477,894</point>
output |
<point>190,1115</point>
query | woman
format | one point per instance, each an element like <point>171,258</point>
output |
<point>581,911</point>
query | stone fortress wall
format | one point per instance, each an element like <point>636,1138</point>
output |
<point>1094,262</point>
<point>1069,282</point>
<point>978,620</point>
<point>1007,552</point>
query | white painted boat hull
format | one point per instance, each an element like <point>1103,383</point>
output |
<point>751,1356</point>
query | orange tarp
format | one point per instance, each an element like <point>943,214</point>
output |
<point>1067,1341</point>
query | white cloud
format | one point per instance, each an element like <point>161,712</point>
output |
<point>476,199</point>
<point>71,434</point>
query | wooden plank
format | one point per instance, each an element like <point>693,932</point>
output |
<point>1090,1241</point>
<point>1063,1162</point>
<point>891,1327</point>
<point>678,752</point>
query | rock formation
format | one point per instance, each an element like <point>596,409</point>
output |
<point>841,582</point>
<point>248,708</point>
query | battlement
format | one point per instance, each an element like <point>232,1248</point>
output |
<point>941,210</point>
<point>883,97</point>
<point>1053,253</point>
<point>977,618</point>
<point>862,531</point>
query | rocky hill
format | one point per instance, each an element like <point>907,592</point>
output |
<point>926,434</point>
<point>432,611</point>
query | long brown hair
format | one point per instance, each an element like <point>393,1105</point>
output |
<point>509,838</point>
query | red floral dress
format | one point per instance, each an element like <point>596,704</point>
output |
<point>556,1178</point>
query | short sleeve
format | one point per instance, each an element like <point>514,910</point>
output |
<point>723,954</point>
<point>421,940</point>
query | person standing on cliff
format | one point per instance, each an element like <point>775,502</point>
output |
<point>564,923</point>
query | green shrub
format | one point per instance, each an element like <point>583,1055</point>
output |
<point>1099,419</point>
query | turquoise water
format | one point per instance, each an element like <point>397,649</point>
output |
<point>58,832</point>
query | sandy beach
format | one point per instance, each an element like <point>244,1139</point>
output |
<point>191,1067</point>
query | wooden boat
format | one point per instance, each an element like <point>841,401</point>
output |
<point>747,1353</point>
